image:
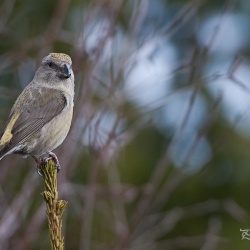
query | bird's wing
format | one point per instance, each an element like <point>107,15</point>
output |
<point>44,105</point>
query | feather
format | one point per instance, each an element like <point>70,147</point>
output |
<point>33,115</point>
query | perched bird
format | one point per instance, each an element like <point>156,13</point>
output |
<point>41,116</point>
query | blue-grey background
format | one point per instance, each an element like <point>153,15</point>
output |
<point>158,156</point>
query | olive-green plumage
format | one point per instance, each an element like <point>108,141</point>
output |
<point>41,117</point>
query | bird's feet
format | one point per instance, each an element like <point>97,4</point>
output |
<point>55,159</point>
<point>52,156</point>
<point>38,164</point>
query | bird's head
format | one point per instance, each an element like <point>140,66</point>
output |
<point>54,68</point>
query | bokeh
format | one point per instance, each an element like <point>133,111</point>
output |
<point>158,155</point>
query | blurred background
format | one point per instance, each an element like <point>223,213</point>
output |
<point>158,153</point>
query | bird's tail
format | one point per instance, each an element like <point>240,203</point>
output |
<point>2,153</point>
<point>4,150</point>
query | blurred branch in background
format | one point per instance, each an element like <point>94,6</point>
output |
<point>158,152</point>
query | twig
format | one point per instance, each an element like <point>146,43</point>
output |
<point>54,207</point>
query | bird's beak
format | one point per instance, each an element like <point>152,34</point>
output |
<point>65,71</point>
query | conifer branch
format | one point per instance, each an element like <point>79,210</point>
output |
<point>54,207</point>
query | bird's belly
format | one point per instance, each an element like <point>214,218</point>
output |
<point>51,135</point>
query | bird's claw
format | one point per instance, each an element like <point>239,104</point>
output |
<point>38,170</point>
<point>38,163</point>
<point>55,159</point>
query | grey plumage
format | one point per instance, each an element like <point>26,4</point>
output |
<point>41,116</point>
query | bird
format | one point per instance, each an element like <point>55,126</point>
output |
<point>41,116</point>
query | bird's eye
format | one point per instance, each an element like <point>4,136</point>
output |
<point>50,64</point>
